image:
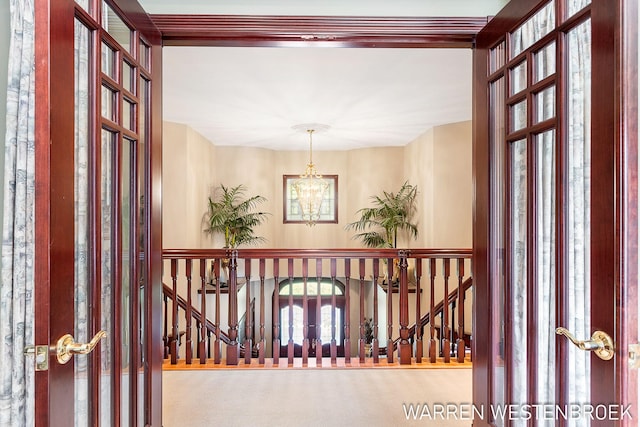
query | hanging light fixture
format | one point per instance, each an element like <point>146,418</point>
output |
<point>310,188</point>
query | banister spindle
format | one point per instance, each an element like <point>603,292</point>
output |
<point>361,341</point>
<point>318,325</point>
<point>404,346</point>
<point>173,347</point>
<point>376,342</point>
<point>275,350</point>
<point>188,349</point>
<point>203,312</point>
<point>446,343</point>
<point>305,312</point>
<point>334,349</point>
<point>389,310</point>
<point>165,328</point>
<point>460,346</point>
<point>432,311</point>
<point>418,331</point>
<point>347,311</point>
<point>290,347</point>
<point>233,349</point>
<point>248,326</point>
<point>217,351</point>
<point>263,342</point>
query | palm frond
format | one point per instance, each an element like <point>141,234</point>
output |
<point>232,215</point>
<point>392,212</point>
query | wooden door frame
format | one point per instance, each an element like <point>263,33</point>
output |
<point>618,256</point>
<point>54,211</point>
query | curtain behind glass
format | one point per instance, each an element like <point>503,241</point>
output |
<point>81,217</point>
<point>16,287</point>
<point>579,209</point>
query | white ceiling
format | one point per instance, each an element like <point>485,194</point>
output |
<point>368,97</point>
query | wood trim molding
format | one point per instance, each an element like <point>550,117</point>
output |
<point>318,31</point>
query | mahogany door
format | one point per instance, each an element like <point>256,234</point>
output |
<point>555,222</point>
<point>98,245</point>
<point>319,327</point>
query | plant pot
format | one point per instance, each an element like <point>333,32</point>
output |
<point>368,350</point>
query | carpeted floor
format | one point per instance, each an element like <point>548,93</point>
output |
<point>315,397</point>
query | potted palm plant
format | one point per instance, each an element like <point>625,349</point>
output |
<point>378,226</point>
<point>392,213</point>
<point>234,216</point>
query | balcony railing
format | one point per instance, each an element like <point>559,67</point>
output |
<point>210,304</point>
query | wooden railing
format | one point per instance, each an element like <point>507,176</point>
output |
<point>365,273</point>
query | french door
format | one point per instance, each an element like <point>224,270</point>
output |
<point>555,227</point>
<point>98,159</point>
<point>319,324</point>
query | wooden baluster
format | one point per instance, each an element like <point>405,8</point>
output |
<point>165,329</point>
<point>419,330</point>
<point>188,348</point>
<point>173,346</point>
<point>376,342</point>
<point>361,341</point>
<point>347,310</point>
<point>460,343</point>
<point>446,344</point>
<point>217,351</point>
<point>318,312</point>
<point>233,349</point>
<point>248,326</point>
<point>334,349</point>
<point>263,341</point>
<point>390,310</point>
<point>404,346</point>
<point>432,311</point>
<point>276,312</point>
<point>203,312</point>
<point>197,328</point>
<point>305,312</point>
<point>290,342</point>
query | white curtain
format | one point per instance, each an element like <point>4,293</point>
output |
<point>16,288</point>
<point>81,213</point>
<point>579,209</point>
<point>519,303</point>
<point>546,246</point>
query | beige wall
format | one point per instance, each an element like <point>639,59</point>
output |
<point>187,177</point>
<point>193,167</point>
<point>444,178</point>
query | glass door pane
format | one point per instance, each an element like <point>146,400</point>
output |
<point>546,268</point>
<point>519,266</point>
<point>106,276</point>
<point>82,294</point>
<point>578,215</point>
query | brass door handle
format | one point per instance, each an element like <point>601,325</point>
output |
<point>600,343</point>
<point>67,346</point>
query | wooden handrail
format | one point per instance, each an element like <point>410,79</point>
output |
<point>182,303</point>
<point>453,296</point>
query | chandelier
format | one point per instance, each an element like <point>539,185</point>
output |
<point>310,188</point>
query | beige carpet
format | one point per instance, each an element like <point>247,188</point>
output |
<point>312,397</point>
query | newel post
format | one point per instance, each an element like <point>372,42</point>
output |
<point>404,346</point>
<point>233,349</point>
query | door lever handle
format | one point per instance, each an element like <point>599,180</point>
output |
<point>600,343</point>
<point>67,346</point>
